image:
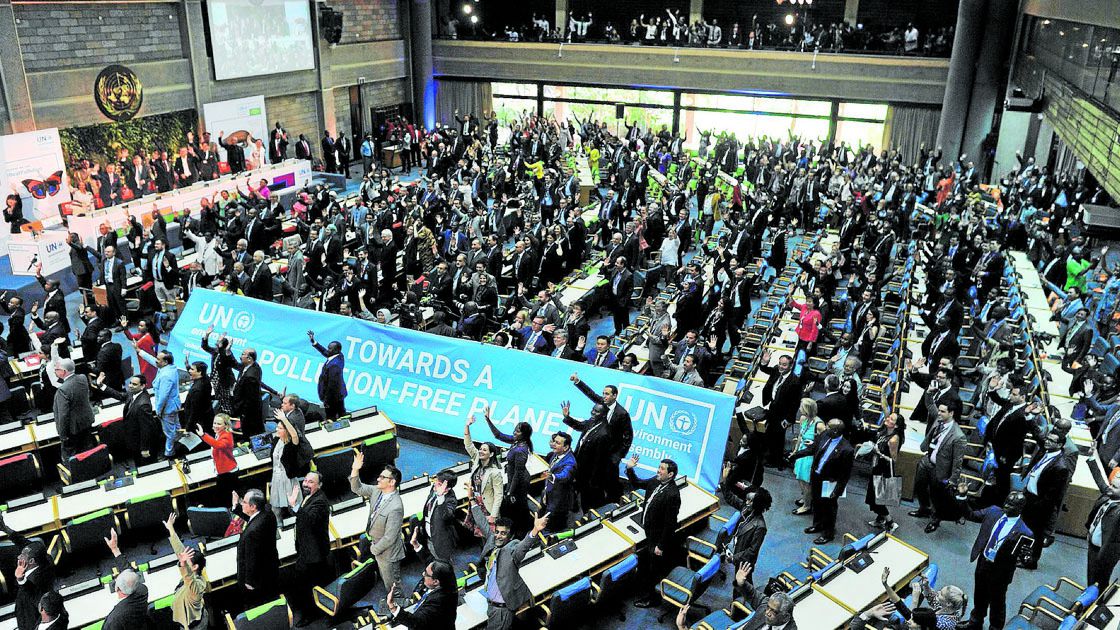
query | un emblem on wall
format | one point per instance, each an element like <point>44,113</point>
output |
<point>118,93</point>
<point>683,422</point>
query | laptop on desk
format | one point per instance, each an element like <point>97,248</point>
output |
<point>261,446</point>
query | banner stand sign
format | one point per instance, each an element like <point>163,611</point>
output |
<point>435,383</point>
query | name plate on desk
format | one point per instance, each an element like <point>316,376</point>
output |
<point>562,548</point>
<point>119,482</point>
<point>336,425</point>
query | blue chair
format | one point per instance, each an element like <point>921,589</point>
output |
<point>684,586</point>
<point>724,618</point>
<point>712,540</point>
<point>568,606</point>
<point>614,581</point>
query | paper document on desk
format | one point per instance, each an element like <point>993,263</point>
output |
<point>189,440</point>
<point>829,487</point>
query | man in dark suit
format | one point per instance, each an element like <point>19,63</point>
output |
<point>605,439</point>
<point>55,300</point>
<point>330,153</point>
<point>163,172</point>
<point>737,301</point>
<point>437,536</point>
<point>137,177</point>
<point>345,152</point>
<point>259,284</point>
<point>659,520</point>
<point>81,267</point>
<point>303,148</point>
<point>277,144</point>
<point>438,606</point>
<point>781,395</point>
<point>138,417</point>
<point>207,163</point>
<point>114,279</point>
<point>186,169</point>
<point>313,545</point>
<point>34,573</point>
<point>835,404</point>
<point>1044,485</point>
<point>1004,434</point>
<point>1077,340</point>
<point>247,394</point>
<point>1104,527</point>
<point>54,338</point>
<point>162,269</point>
<point>994,551</point>
<point>777,609</point>
<point>91,315</point>
<point>258,563</point>
<point>622,285</point>
<point>941,390</point>
<point>833,456</point>
<point>332,384</point>
<point>940,468</point>
<point>235,153</point>
<point>941,344</point>
<point>524,265</point>
<point>561,349</point>
<point>559,492</point>
<point>109,360</point>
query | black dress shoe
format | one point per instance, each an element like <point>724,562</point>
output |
<point>822,540</point>
<point>645,603</point>
<point>813,530</point>
<point>919,513</point>
<point>1029,565</point>
<point>932,526</point>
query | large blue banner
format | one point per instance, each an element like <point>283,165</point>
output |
<point>434,383</point>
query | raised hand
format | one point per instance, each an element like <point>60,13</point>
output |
<point>743,571</point>
<point>632,462</point>
<point>566,407</point>
<point>359,459</point>
<point>169,524</point>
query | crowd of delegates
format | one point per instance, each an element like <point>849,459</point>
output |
<point>673,29</point>
<point>441,242</point>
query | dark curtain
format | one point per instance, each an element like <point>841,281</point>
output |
<point>911,126</point>
<point>469,97</point>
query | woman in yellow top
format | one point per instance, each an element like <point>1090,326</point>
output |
<point>593,163</point>
<point>188,607</point>
<point>536,169</point>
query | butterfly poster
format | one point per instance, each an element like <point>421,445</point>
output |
<point>32,166</point>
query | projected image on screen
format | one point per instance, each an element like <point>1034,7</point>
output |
<point>256,37</point>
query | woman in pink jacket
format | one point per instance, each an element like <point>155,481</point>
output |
<point>808,325</point>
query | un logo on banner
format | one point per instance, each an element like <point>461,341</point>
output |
<point>243,321</point>
<point>683,422</point>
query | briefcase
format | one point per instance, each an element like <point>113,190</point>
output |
<point>755,419</point>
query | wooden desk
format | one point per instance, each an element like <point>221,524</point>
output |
<point>696,504</point>
<point>815,609</point>
<point>37,518</point>
<point>858,591</point>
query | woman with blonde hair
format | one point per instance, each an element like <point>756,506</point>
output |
<point>807,428</point>
<point>221,449</point>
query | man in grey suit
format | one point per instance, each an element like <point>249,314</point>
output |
<point>940,468</point>
<point>386,513</point>
<point>504,589</point>
<point>293,280</point>
<point>73,415</point>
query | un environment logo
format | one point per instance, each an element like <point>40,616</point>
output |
<point>243,321</point>
<point>683,422</point>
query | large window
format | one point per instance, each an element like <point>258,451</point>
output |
<point>747,115</point>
